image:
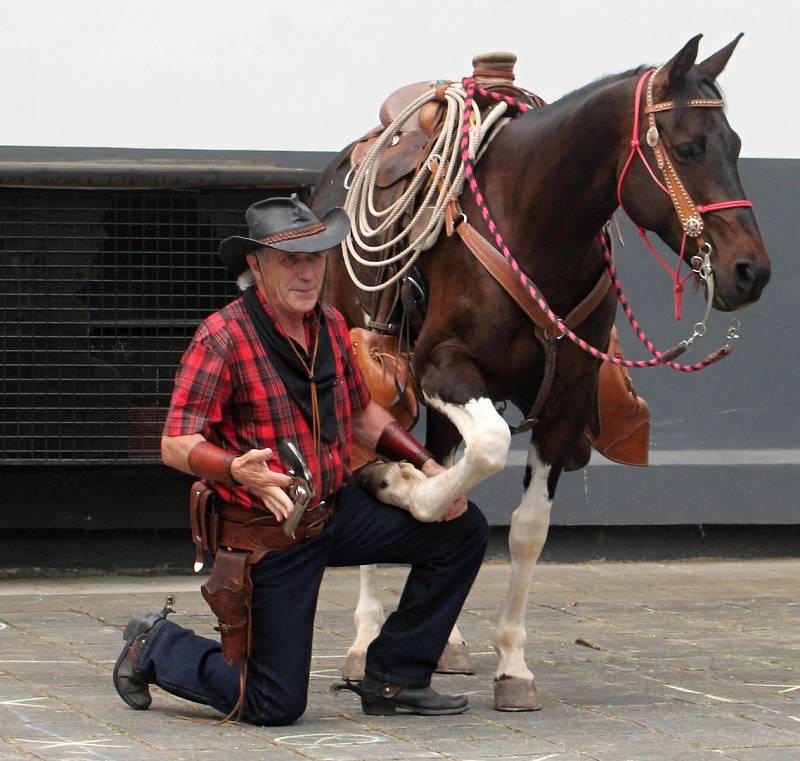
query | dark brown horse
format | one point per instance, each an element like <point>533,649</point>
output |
<point>551,178</point>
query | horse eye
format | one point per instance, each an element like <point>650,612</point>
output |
<point>688,150</point>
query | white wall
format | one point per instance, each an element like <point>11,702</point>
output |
<point>310,75</point>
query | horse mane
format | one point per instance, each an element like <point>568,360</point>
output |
<point>572,100</point>
<point>579,95</point>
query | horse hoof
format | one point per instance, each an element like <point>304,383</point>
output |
<point>353,670</point>
<point>455,659</point>
<point>515,694</point>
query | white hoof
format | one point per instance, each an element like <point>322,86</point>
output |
<point>390,482</point>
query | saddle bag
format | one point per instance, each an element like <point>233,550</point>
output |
<point>387,373</point>
<point>623,415</point>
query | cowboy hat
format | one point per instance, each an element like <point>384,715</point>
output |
<point>286,224</point>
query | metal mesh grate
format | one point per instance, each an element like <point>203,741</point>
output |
<point>100,292</point>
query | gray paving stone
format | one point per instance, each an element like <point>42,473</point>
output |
<point>698,663</point>
<point>763,754</point>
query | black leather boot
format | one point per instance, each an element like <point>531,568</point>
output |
<point>384,699</point>
<point>132,685</point>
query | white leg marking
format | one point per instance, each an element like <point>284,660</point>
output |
<point>369,613</point>
<point>529,525</point>
<point>486,441</point>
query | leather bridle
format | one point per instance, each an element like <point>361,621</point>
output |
<point>689,213</point>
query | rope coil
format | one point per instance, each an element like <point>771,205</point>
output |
<point>444,177</point>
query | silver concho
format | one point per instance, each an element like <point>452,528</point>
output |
<point>652,137</point>
<point>693,226</point>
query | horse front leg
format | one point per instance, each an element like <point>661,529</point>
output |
<point>487,439</point>
<point>515,685</point>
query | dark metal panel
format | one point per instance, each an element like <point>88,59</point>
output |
<point>97,498</point>
<point>145,168</point>
<point>100,292</point>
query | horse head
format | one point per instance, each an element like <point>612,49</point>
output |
<point>689,151</point>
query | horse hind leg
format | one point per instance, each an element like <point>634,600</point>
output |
<point>455,658</point>
<point>515,685</point>
<point>443,436</point>
<point>368,617</point>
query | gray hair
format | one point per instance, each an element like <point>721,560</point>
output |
<point>245,280</point>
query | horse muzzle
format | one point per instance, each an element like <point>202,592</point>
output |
<point>740,283</point>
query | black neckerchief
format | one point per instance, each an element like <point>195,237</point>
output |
<point>290,369</point>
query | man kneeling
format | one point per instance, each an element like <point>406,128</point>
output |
<point>273,364</point>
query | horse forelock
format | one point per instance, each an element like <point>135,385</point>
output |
<point>697,84</point>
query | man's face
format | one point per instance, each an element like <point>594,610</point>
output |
<point>290,282</point>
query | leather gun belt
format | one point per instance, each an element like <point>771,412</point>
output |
<point>258,532</point>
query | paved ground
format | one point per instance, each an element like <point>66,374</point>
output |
<point>635,661</point>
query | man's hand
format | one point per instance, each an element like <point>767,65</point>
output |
<point>251,470</point>
<point>459,507</point>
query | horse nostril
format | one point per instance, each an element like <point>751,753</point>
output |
<point>750,278</point>
<point>744,273</point>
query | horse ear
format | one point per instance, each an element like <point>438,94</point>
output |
<point>714,64</point>
<point>678,66</point>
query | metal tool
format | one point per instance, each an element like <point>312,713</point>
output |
<point>301,492</point>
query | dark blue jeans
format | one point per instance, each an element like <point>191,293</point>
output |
<point>444,558</point>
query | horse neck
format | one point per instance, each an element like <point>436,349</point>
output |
<point>562,162</point>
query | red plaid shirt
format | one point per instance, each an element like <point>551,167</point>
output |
<point>227,390</point>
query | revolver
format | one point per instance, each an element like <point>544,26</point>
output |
<point>301,492</point>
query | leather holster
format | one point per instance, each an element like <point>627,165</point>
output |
<point>229,592</point>
<point>229,589</point>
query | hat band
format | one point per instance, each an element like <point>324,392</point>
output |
<point>301,232</point>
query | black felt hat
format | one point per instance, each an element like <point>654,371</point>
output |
<point>286,224</point>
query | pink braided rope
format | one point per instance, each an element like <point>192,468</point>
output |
<point>469,173</point>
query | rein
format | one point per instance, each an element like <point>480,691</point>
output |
<point>689,214</point>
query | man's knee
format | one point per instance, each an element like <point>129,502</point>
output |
<point>470,534</point>
<point>476,520</point>
<point>276,713</point>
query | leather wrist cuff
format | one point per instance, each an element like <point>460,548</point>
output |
<point>207,460</point>
<point>396,443</point>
